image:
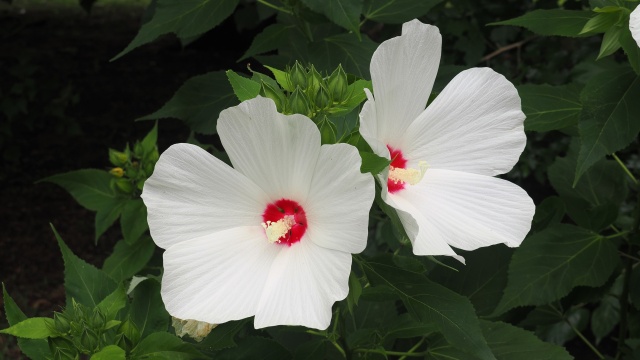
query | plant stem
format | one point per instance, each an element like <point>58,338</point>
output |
<point>625,168</point>
<point>622,233</point>
<point>585,340</point>
<point>414,348</point>
<point>275,7</point>
<point>395,353</point>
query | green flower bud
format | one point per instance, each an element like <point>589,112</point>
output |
<point>61,323</point>
<point>298,76</point>
<point>314,82</point>
<point>138,151</point>
<point>122,342</point>
<point>117,158</point>
<point>274,94</point>
<point>153,156</point>
<point>327,131</point>
<point>124,185</point>
<point>117,172</point>
<point>338,85</point>
<point>65,354</point>
<point>130,330</point>
<point>322,99</point>
<point>298,102</point>
<point>148,169</point>
<point>98,320</point>
<point>89,340</point>
<point>56,343</point>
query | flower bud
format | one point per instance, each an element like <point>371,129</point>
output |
<point>117,158</point>
<point>89,340</point>
<point>117,172</point>
<point>298,102</point>
<point>327,131</point>
<point>61,323</point>
<point>124,185</point>
<point>274,94</point>
<point>98,320</point>
<point>298,76</point>
<point>338,85</point>
<point>138,151</point>
<point>322,99</point>
<point>130,330</point>
<point>314,82</point>
<point>122,342</point>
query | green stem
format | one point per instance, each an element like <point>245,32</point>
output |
<point>340,349</point>
<point>414,348</point>
<point>625,168</point>
<point>275,7</point>
<point>584,339</point>
<point>395,353</point>
<point>622,233</point>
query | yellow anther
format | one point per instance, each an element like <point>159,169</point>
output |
<point>409,175</point>
<point>275,230</point>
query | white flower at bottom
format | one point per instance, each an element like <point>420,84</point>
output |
<point>634,25</point>
<point>270,237</point>
<point>444,157</point>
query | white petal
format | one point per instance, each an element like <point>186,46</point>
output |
<point>304,282</point>
<point>277,152</point>
<point>369,127</point>
<point>468,211</point>
<point>191,193</point>
<point>403,70</point>
<point>339,200</point>
<point>634,25</point>
<point>475,125</point>
<point>218,277</point>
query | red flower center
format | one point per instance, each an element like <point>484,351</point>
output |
<point>397,161</point>
<point>285,221</point>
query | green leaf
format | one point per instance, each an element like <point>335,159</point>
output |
<point>243,87</point>
<point>610,42</point>
<point>354,55</point>
<point>432,303</point>
<point>32,328</point>
<point>552,22</point>
<point>405,326</point>
<point>133,220</point>
<point>185,18</point>
<point>355,290</point>
<point>255,348</point>
<point>509,342</point>
<point>269,39</point>
<point>550,107</point>
<point>150,140</point>
<point>372,163</point>
<point>198,102</point>
<point>608,121</point>
<point>397,11</point>
<point>345,13</point>
<point>356,96</point>
<point>600,23</point>
<point>222,336</point>
<point>552,262</point>
<point>82,281</point>
<point>549,212</point>
<point>89,187</point>
<point>634,289</point>
<point>126,260</point>
<point>313,350</point>
<point>482,279</point>
<point>107,215</point>
<point>147,309</point>
<point>113,303</point>
<point>605,317</point>
<point>36,349</point>
<point>630,48</point>
<point>162,345</point>
<point>281,77</point>
<point>109,352</point>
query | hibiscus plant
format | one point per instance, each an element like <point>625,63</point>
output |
<point>416,196</point>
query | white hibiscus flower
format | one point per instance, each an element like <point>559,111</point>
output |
<point>444,157</point>
<point>634,25</point>
<point>270,237</point>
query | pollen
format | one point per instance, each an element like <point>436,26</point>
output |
<point>410,176</point>
<point>276,230</point>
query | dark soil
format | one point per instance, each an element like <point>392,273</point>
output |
<point>83,104</point>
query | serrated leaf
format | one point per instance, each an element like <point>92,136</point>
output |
<point>82,281</point>
<point>355,290</point>
<point>35,349</point>
<point>345,13</point>
<point>149,141</point>
<point>630,48</point>
<point>243,87</point>
<point>126,260</point>
<point>600,23</point>
<point>432,303</point>
<point>550,107</point>
<point>552,22</point>
<point>608,121</point>
<point>397,11</point>
<point>312,350</point>
<point>269,39</point>
<point>107,215</point>
<point>164,346</point>
<point>147,309</point>
<point>110,352</point>
<point>185,18</point>
<point>113,303</point>
<point>372,163</point>
<point>549,212</point>
<point>405,326</point>
<point>346,49</point>
<point>198,102</point>
<point>550,263</point>
<point>255,348</point>
<point>509,342</point>
<point>610,42</point>
<point>605,317</point>
<point>133,220</point>
<point>32,328</point>
<point>222,336</point>
<point>281,77</point>
<point>89,187</point>
<point>562,331</point>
